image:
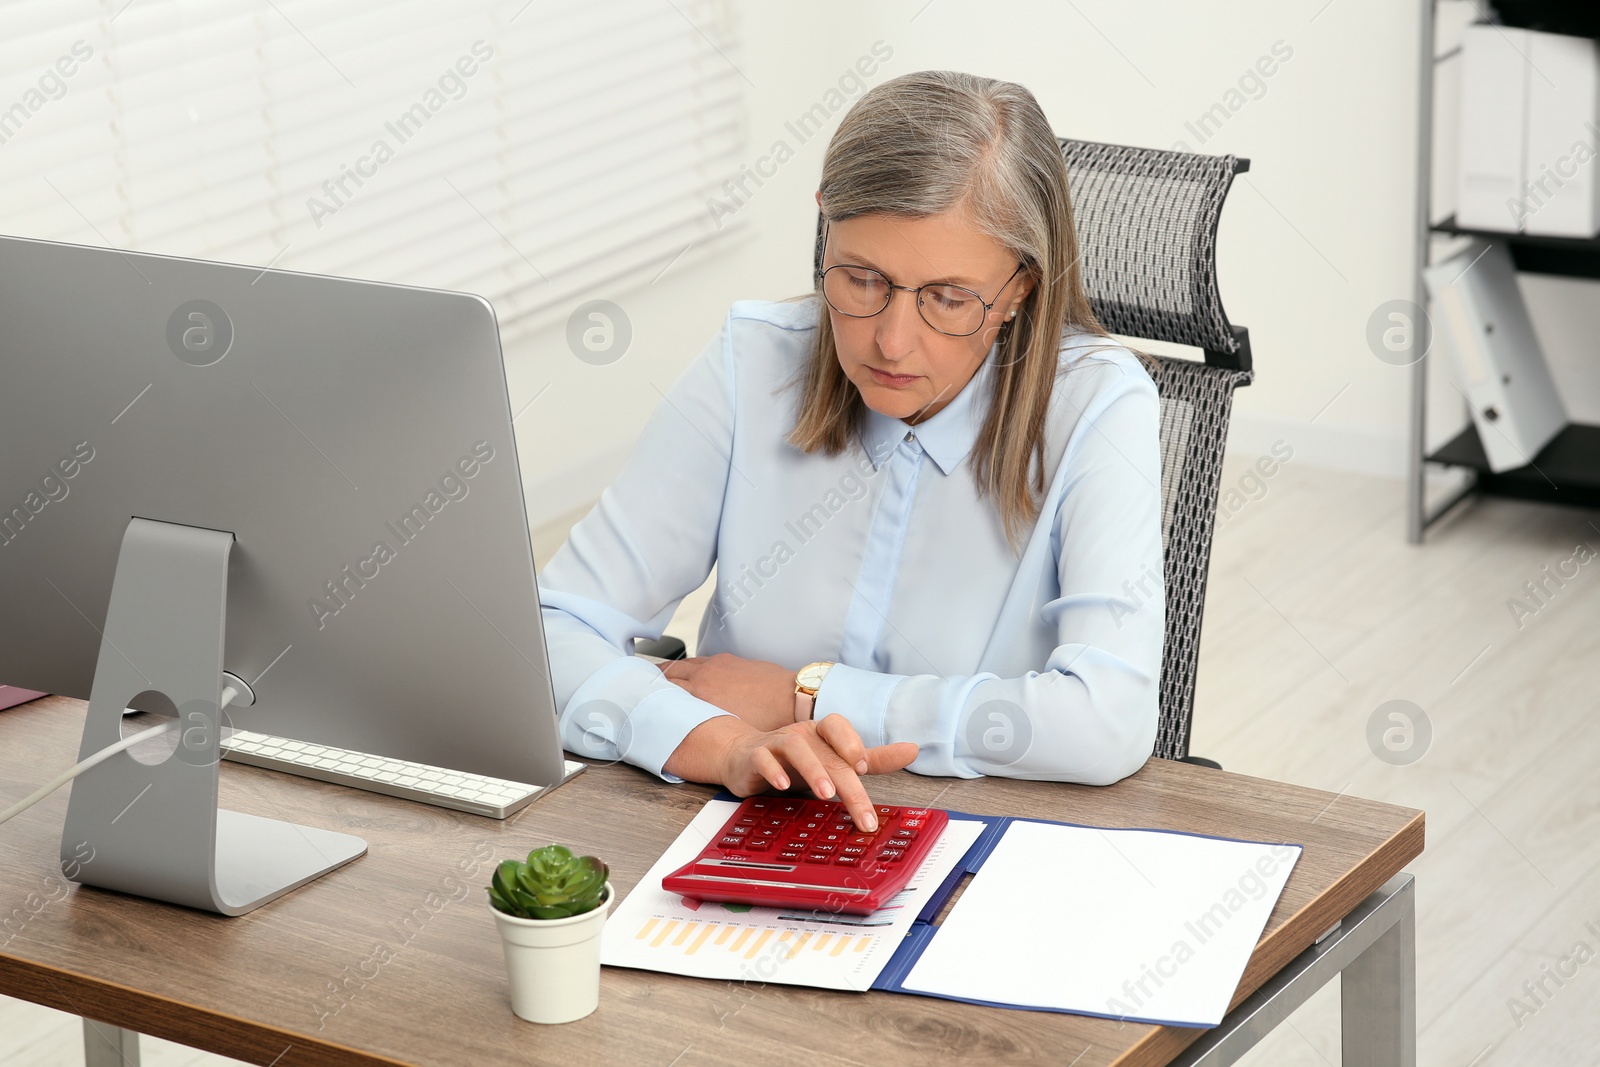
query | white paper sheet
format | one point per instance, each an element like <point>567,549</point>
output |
<point>660,931</point>
<point>1135,924</point>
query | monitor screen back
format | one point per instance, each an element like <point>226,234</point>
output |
<point>356,439</point>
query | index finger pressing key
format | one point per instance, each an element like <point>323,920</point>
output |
<point>854,797</point>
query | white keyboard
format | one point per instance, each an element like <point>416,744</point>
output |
<point>475,793</point>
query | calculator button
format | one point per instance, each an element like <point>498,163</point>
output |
<point>760,805</point>
<point>824,850</point>
<point>739,830</point>
<point>758,845</point>
<point>766,832</point>
<point>813,824</point>
<point>787,808</point>
<point>886,812</point>
<point>818,859</point>
<point>802,835</point>
<point>790,854</point>
<point>841,827</point>
<point>916,813</point>
<point>890,854</point>
<point>731,842</point>
<point>852,850</point>
<point>860,839</point>
<point>847,861</point>
<point>748,820</point>
<point>904,833</point>
<point>774,821</point>
<point>833,837</point>
<point>912,824</point>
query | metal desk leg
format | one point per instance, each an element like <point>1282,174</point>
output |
<point>1374,949</point>
<point>105,1045</point>
<point>1379,994</point>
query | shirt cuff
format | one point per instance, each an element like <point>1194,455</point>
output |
<point>862,697</point>
<point>600,729</point>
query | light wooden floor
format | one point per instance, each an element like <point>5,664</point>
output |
<point>1318,613</point>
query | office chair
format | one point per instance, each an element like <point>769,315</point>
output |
<point>1147,229</point>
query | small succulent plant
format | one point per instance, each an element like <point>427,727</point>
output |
<point>551,884</point>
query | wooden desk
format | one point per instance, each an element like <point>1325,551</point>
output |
<point>394,958</point>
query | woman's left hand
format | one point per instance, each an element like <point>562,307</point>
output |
<point>760,693</point>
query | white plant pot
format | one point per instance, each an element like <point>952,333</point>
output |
<point>554,964</point>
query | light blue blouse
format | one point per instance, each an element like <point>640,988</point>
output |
<point>882,559</point>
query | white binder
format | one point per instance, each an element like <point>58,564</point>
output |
<point>1530,132</point>
<point>1494,104</point>
<point>1481,319</point>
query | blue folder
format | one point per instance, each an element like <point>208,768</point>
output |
<point>891,979</point>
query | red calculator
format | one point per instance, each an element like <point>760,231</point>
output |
<point>778,852</point>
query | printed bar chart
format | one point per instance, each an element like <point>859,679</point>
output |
<point>742,939</point>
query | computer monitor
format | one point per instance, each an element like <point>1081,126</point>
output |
<point>355,441</point>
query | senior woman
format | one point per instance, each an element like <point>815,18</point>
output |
<point>930,489</point>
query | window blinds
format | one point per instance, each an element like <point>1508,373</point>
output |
<point>537,154</point>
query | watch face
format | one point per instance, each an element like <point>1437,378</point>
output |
<point>812,675</point>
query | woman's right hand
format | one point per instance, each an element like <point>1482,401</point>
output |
<point>826,755</point>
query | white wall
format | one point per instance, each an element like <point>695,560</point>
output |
<point>575,437</point>
<point>1315,235</point>
<point>1313,238</point>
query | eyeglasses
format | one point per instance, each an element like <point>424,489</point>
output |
<point>862,292</point>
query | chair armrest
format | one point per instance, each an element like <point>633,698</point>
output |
<point>667,647</point>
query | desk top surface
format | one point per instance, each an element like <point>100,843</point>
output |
<point>394,958</point>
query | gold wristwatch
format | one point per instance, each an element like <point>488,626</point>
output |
<point>806,683</point>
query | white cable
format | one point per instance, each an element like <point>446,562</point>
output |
<point>99,757</point>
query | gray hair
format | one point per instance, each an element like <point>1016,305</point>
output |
<point>935,141</point>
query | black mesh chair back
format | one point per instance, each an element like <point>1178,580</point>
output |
<point>1147,232</point>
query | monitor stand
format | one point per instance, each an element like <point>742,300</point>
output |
<point>155,830</point>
